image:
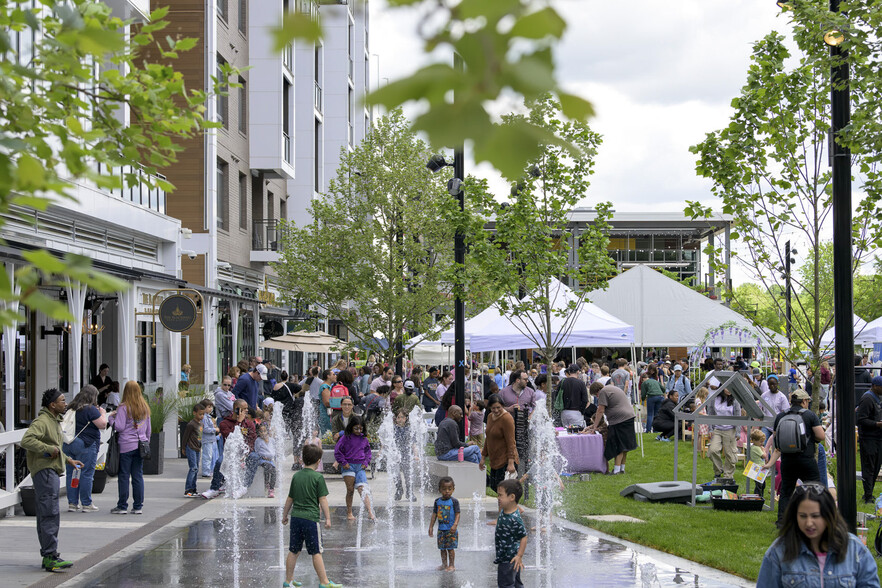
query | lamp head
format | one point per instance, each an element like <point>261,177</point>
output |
<point>834,37</point>
<point>436,163</point>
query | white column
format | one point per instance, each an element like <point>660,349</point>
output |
<point>256,324</point>
<point>209,340</point>
<point>234,323</point>
<point>172,374</point>
<point>9,335</point>
<point>126,333</point>
<point>76,300</point>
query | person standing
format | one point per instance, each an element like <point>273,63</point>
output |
<point>132,421</point>
<point>408,400</point>
<point>499,443</point>
<point>615,404</point>
<point>575,397</point>
<point>776,400</point>
<point>802,465</point>
<point>826,377</point>
<point>248,386</point>
<point>102,380</point>
<point>723,450</point>
<point>385,379</point>
<point>793,379</point>
<point>869,421</point>
<point>679,382</point>
<point>90,421</point>
<point>431,401</point>
<point>652,392</point>
<point>518,395</point>
<point>42,442</point>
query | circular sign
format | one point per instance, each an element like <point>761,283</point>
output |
<point>273,329</point>
<point>177,313</point>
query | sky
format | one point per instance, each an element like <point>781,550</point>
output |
<point>660,75</point>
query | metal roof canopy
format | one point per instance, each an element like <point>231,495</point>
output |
<point>747,396</point>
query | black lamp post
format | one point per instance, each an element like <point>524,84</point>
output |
<point>840,109</point>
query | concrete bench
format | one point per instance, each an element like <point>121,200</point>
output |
<point>466,475</point>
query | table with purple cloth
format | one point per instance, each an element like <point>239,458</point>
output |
<point>584,453</point>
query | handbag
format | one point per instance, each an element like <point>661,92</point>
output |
<point>111,463</point>
<point>144,449</point>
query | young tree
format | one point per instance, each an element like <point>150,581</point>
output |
<point>378,255</point>
<point>769,169</point>
<point>532,243</point>
<point>63,86</point>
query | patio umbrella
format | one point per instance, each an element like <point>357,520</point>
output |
<point>306,341</point>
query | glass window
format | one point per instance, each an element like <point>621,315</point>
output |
<point>243,16</point>
<point>243,201</point>
<point>223,100</point>
<point>223,10</point>
<point>223,195</point>
<point>243,107</point>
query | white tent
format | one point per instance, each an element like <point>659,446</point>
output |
<point>664,312</point>
<point>430,352</point>
<point>861,335</point>
<point>474,325</point>
<point>873,331</point>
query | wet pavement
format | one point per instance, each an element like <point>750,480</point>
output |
<point>202,555</point>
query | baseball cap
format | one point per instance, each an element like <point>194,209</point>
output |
<point>268,401</point>
<point>754,364</point>
<point>573,368</point>
<point>799,395</point>
<point>261,371</point>
<point>772,377</point>
<point>408,384</point>
<point>877,381</point>
<point>677,367</point>
<point>668,362</point>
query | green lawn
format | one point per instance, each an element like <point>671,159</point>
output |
<point>730,541</point>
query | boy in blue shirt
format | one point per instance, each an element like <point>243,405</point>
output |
<point>446,512</point>
<point>511,535</point>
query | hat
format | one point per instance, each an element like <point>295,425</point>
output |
<point>754,364</point>
<point>677,367</point>
<point>772,377</point>
<point>668,362</point>
<point>408,385</point>
<point>50,396</point>
<point>799,395</point>
<point>713,382</point>
<point>268,401</point>
<point>261,371</point>
<point>756,371</point>
<point>877,381</point>
<point>573,368</point>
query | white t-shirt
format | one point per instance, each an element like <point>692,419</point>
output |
<point>603,380</point>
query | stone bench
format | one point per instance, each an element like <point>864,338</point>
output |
<point>466,475</point>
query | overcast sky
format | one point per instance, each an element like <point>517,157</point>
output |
<point>660,75</point>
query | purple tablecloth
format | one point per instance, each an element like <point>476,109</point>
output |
<point>584,453</point>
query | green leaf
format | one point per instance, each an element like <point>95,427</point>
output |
<point>540,24</point>
<point>44,261</point>
<point>575,107</point>
<point>31,173</point>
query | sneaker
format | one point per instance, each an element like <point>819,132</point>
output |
<point>240,493</point>
<point>72,507</point>
<point>292,583</point>
<point>271,493</point>
<point>209,494</point>
<point>331,584</point>
<point>191,494</point>
<point>54,563</point>
<point>90,508</point>
<point>136,511</point>
<point>118,510</point>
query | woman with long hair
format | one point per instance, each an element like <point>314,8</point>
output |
<point>814,547</point>
<point>132,421</point>
<point>90,418</point>
<point>499,443</point>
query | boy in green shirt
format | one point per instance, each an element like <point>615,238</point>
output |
<point>308,492</point>
<point>511,535</point>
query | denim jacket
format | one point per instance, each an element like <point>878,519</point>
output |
<point>857,569</point>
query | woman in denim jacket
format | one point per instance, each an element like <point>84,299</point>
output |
<point>814,547</point>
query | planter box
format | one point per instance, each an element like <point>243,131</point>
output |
<point>99,481</point>
<point>181,428</point>
<point>153,466</point>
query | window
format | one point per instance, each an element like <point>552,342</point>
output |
<point>223,10</point>
<point>243,201</point>
<point>349,117</point>
<point>223,99</point>
<point>223,195</point>
<point>243,16</point>
<point>283,210</point>
<point>316,155</point>
<point>286,120</point>
<point>243,107</point>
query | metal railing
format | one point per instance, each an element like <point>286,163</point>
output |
<point>317,99</point>
<point>286,146</point>
<point>140,193</point>
<point>265,235</point>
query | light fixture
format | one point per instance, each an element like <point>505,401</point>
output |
<point>834,37</point>
<point>87,328</point>
<point>436,163</point>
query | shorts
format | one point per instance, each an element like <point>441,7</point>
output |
<point>303,530</point>
<point>356,470</point>
<point>448,540</point>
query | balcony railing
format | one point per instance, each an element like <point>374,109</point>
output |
<point>286,146</point>
<point>141,194</point>
<point>351,69</point>
<point>265,236</point>
<point>288,57</point>
<point>317,100</point>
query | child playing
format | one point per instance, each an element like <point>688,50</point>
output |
<point>758,455</point>
<point>402,440</point>
<point>192,442</point>
<point>353,453</point>
<point>209,440</point>
<point>476,423</point>
<point>446,512</point>
<point>511,535</point>
<point>265,447</point>
<point>308,494</point>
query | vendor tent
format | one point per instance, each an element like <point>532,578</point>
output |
<point>429,352</point>
<point>664,312</point>
<point>872,333</point>
<point>861,334</point>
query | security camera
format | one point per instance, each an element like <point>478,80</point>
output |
<point>454,186</point>
<point>189,253</point>
<point>191,256</point>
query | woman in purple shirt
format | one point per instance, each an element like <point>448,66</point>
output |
<point>132,421</point>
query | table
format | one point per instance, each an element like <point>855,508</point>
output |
<point>584,453</point>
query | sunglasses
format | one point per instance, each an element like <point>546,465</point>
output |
<point>812,489</point>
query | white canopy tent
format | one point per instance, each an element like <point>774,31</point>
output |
<point>430,352</point>
<point>664,312</point>
<point>873,331</point>
<point>861,334</point>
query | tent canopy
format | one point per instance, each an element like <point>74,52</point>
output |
<point>664,312</point>
<point>873,331</point>
<point>861,333</point>
<point>590,327</point>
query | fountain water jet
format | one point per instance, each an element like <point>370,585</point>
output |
<point>392,458</point>
<point>547,463</point>
<point>280,439</point>
<point>233,469</point>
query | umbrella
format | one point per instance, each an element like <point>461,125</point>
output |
<point>306,341</point>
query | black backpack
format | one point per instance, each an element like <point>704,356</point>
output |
<point>790,433</point>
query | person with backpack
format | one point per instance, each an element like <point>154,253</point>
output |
<point>795,434</point>
<point>869,421</point>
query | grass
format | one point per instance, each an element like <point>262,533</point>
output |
<point>734,542</point>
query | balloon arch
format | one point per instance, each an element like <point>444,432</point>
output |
<point>748,337</point>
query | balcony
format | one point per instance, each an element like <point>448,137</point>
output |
<point>317,98</point>
<point>140,194</point>
<point>265,239</point>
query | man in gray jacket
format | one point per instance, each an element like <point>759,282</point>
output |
<point>447,443</point>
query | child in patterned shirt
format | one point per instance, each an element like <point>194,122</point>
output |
<point>446,512</point>
<point>511,535</point>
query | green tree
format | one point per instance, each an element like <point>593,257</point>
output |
<point>507,50</point>
<point>60,102</point>
<point>868,293</point>
<point>532,243</point>
<point>378,253</point>
<point>759,305</point>
<point>769,169</point>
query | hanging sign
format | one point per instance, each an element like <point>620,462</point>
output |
<point>177,313</point>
